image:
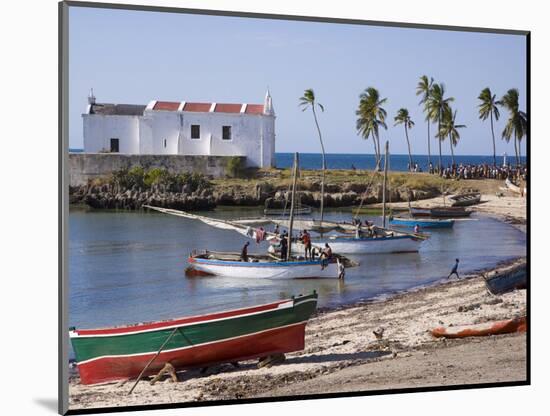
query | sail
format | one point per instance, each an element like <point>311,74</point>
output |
<point>238,226</point>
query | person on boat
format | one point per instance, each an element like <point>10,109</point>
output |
<point>306,241</point>
<point>326,255</point>
<point>276,229</point>
<point>416,229</point>
<point>358,230</point>
<point>454,270</point>
<point>244,251</point>
<point>284,245</point>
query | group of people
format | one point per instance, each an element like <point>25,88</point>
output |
<point>482,171</point>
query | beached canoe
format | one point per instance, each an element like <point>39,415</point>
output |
<point>464,200</point>
<point>422,222</point>
<point>121,353</point>
<point>508,279</point>
<point>478,330</point>
<point>260,267</point>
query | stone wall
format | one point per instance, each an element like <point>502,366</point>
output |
<point>86,166</point>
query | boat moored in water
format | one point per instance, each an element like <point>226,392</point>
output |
<point>422,222</point>
<point>261,266</point>
<point>440,212</point>
<point>122,353</point>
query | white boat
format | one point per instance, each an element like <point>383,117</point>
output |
<point>267,267</point>
<point>370,245</point>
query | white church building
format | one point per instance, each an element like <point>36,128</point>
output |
<point>182,128</point>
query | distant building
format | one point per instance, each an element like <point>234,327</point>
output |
<point>182,128</point>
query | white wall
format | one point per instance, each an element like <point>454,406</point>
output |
<point>99,129</point>
<point>252,135</point>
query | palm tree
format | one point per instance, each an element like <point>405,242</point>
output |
<point>517,122</point>
<point>488,109</point>
<point>424,88</point>
<point>437,105</point>
<point>308,101</point>
<point>370,117</point>
<point>449,129</point>
<point>404,118</point>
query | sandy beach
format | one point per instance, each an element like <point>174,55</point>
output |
<point>343,354</point>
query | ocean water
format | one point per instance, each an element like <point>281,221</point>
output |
<point>128,267</point>
<point>367,161</point>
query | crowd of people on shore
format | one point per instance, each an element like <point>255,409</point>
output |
<point>482,171</point>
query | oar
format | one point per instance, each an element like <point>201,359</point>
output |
<point>152,359</point>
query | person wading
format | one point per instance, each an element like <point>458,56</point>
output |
<point>244,251</point>
<point>454,270</point>
<point>306,241</point>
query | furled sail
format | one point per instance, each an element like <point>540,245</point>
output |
<point>245,228</point>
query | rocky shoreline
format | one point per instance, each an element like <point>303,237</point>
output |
<point>108,196</point>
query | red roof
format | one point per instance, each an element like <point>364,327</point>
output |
<point>228,108</point>
<point>197,107</point>
<point>254,109</point>
<point>205,107</point>
<point>166,105</point>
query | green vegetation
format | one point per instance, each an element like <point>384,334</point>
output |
<point>404,118</point>
<point>488,109</point>
<point>449,128</point>
<point>139,178</point>
<point>370,117</point>
<point>437,105</point>
<point>517,122</point>
<point>424,88</point>
<point>235,168</point>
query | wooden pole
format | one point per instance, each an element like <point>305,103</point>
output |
<point>384,184</point>
<point>153,359</point>
<point>292,206</point>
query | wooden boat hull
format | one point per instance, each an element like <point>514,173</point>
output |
<point>273,270</point>
<point>422,223</point>
<point>280,211</point>
<point>507,280</point>
<point>489,328</point>
<point>441,212</point>
<point>465,200</point>
<point>121,353</point>
<point>381,245</point>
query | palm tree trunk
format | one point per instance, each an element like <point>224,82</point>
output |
<point>439,139</point>
<point>323,168</point>
<point>376,159</point>
<point>452,151</point>
<point>516,149</point>
<point>409,146</point>
<point>429,153</point>
<point>519,151</point>
<point>494,145</point>
<point>379,158</point>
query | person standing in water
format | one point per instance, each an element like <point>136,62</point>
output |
<point>244,251</point>
<point>454,270</point>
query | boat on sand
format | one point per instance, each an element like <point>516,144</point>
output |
<point>464,200</point>
<point>122,353</point>
<point>507,326</point>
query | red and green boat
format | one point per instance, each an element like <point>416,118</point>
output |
<point>121,353</point>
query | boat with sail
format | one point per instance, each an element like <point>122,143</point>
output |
<point>262,266</point>
<point>126,352</point>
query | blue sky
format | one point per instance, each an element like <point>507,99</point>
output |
<point>134,57</point>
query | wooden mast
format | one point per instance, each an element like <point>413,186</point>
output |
<point>292,206</point>
<point>384,184</point>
